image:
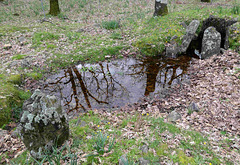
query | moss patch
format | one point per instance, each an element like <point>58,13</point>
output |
<point>11,99</point>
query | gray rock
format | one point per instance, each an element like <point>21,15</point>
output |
<point>211,42</point>
<point>123,160</point>
<point>21,39</point>
<point>81,123</point>
<point>80,30</point>
<point>173,116</point>
<point>193,107</point>
<point>142,161</point>
<point>222,26</point>
<point>144,148</point>
<point>172,50</point>
<point>226,41</point>
<point>174,37</point>
<point>190,34</point>
<point>222,51</point>
<point>43,124</point>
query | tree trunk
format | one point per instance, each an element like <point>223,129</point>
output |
<point>205,0</point>
<point>160,8</point>
<point>54,7</point>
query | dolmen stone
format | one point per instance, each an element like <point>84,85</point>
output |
<point>190,34</point>
<point>222,26</point>
<point>211,42</point>
<point>43,124</point>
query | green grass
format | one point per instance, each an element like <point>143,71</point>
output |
<point>19,57</point>
<point>35,75</point>
<point>11,98</point>
<point>110,25</point>
<point>39,37</point>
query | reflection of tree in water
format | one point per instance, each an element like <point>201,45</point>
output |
<point>156,68</point>
<point>115,83</point>
<point>101,80</point>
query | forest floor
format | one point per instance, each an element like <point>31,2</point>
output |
<point>36,49</point>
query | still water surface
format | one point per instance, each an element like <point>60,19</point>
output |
<point>116,83</point>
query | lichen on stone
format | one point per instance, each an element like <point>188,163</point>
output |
<point>43,123</point>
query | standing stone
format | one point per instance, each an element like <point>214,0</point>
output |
<point>211,42</point>
<point>190,33</point>
<point>222,26</point>
<point>226,41</point>
<point>43,124</point>
<point>160,8</point>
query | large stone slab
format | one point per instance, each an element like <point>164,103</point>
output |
<point>43,124</point>
<point>190,33</point>
<point>211,42</point>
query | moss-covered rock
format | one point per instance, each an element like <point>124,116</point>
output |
<point>43,124</point>
<point>11,98</point>
<point>15,79</point>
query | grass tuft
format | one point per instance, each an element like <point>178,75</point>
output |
<point>110,25</point>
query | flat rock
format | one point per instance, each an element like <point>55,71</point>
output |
<point>173,116</point>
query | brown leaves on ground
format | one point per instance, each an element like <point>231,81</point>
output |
<point>10,147</point>
<point>215,87</point>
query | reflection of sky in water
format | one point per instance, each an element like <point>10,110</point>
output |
<point>111,84</point>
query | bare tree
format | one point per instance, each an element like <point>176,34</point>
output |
<point>54,7</point>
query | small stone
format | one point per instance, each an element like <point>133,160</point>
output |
<point>174,116</point>
<point>107,56</point>
<point>193,107</point>
<point>142,161</point>
<point>81,123</point>
<point>21,39</point>
<point>174,37</point>
<point>172,50</point>
<point>7,46</point>
<point>222,51</point>
<point>80,30</point>
<point>123,160</point>
<point>144,148</point>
